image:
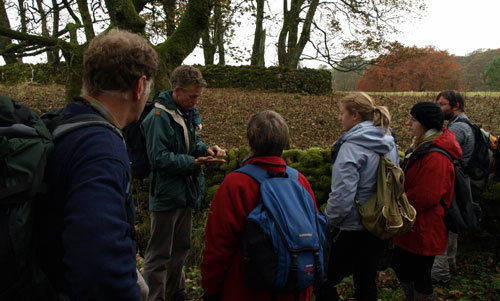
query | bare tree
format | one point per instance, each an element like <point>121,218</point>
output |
<point>259,41</point>
<point>290,45</point>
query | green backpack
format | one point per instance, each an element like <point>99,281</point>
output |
<point>26,140</point>
<point>25,143</point>
<point>387,213</point>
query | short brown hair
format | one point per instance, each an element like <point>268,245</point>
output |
<point>453,98</point>
<point>267,134</point>
<point>185,76</point>
<point>114,61</point>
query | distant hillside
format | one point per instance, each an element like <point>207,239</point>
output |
<point>475,65</point>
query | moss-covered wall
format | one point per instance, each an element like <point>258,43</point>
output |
<point>39,73</point>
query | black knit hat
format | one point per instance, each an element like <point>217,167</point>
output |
<point>429,114</point>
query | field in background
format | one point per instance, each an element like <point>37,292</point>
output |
<point>313,120</point>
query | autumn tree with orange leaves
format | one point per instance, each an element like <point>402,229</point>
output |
<point>413,69</point>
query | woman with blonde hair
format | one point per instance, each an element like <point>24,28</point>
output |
<point>429,181</point>
<point>354,180</point>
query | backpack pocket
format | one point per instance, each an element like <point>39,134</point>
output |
<point>261,262</point>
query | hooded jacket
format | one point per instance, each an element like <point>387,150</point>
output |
<point>428,180</point>
<point>354,172</point>
<point>176,182</point>
<point>222,266</point>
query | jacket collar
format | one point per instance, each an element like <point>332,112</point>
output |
<point>166,99</point>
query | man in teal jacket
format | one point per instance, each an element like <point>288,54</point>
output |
<point>176,154</point>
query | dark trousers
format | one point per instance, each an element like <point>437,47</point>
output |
<point>357,253</point>
<point>167,250</point>
<point>411,267</point>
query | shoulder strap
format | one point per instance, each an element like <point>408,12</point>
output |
<point>464,120</point>
<point>81,121</point>
<point>260,175</point>
<point>257,173</point>
<point>442,151</point>
<point>177,116</point>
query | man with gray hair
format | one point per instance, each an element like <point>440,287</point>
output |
<point>176,153</point>
<point>87,228</point>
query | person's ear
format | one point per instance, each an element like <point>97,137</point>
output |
<point>140,87</point>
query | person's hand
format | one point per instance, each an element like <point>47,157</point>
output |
<point>208,159</point>
<point>216,151</point>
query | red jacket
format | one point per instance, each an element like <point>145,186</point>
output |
<point>222,265</point>
<point>429,179</point>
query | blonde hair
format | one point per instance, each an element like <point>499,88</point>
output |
<point>363,104</point>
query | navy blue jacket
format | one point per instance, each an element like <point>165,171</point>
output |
<point>89,250</point>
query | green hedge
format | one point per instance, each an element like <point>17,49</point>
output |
<point>277,79</point>
<point>254,78</point>
<point>39,73</point>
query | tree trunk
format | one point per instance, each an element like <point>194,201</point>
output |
<point>86,19</point>
<point>261,62</point>
<point>208,47</point>
<point>45,31</point>
<point>123,15</point>
<point>5,41</point>
<point>183,41</point>
<point>289,48</point>
<point>74,66</point>
<point>259,33</point>
<point>55,30</point>
<point>169,8</point>
<point>22,15</point>
<point>219,32</point>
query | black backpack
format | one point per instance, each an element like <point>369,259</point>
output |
<point>481,162</point>
<point>463,213</point>
<point>26,140</point>
<point>136,145</point>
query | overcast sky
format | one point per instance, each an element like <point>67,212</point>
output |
<point>459,26</point>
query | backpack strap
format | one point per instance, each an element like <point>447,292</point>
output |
<point>18,130</point>
<point>80,121</point>
<point>442,151</point>
<point>260,175</point>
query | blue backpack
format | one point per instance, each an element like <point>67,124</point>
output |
<point>284,235</point>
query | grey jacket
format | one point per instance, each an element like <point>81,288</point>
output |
<point>464,136</point>
<point>355,172</point>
